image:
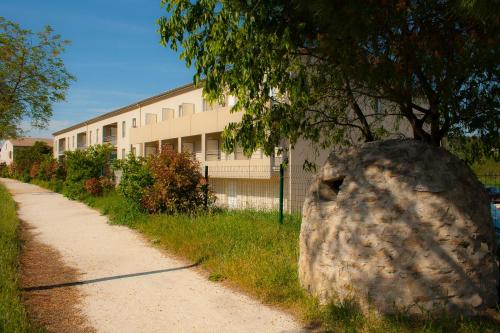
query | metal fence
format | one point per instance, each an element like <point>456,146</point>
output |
<point>258,186</point>
<point>492,183</point>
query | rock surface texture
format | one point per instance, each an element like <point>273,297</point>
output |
<point>399,225</point>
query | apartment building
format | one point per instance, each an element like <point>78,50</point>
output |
<point>180,119</point>
<point>10,146</point>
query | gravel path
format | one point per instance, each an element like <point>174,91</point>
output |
<point>130,286</point>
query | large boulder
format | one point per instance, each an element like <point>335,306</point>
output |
<point>399,225</point>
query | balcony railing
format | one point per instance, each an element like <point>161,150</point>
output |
<point>110,139</point>
<point>213,155</point>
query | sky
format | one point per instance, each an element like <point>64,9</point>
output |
<point>115,53</point>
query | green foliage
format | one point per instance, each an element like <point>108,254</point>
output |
<point>13,316</point>
<point>312,69</point>
<point>135,177</point>
<point>4,170</point>
<point>55,185</point>
<point>81,165</point>
<point>177,186</point>
<point>471,149</point>
<point>51,169</point>
<point>98,186</point>
<point>168,182</point>
<point>487,167</point>
<point>25,158</point>
<point>120,209</point>
<point>32,76</point>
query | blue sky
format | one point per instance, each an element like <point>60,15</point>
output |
<point>115,53</point>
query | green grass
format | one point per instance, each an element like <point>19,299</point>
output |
<point>249,250</point>
<point>53,185</point>
<point>488,172</point>
<point>13,316</point>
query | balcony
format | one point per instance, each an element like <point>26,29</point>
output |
<point>246,169</point>
<point>61,147</point>
<point>81,141</point>
<point>188,125</point>
<point>109,139</point>
<point>187,133</point>
<point>109,133</point>
<point>192,145</point>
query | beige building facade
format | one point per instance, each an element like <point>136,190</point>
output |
<point>180,119</point>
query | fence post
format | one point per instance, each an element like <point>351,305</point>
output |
<point>280,217</point>
<point>206,186</point>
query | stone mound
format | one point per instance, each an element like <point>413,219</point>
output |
<point>399,225</point>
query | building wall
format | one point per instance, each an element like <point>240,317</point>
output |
<point>95,133</point>
<point>7,152</point>
<point>260,194</point>
<point>238,181</point>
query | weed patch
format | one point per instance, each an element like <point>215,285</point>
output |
<point>13,317</point>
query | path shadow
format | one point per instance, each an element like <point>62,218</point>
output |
<point>109,278</point>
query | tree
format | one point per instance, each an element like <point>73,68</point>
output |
<point>32,76</point>
<point>313,69</point>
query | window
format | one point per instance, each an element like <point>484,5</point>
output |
<point>97,136</point>
<point>123,129</point>
<point>167,114</point>
<point>134,123</point>
<point>123,153</point>
<point>10,154</point>
<point>206,106</point>
<point>134,151</point>
<point>73,141</point>
<point>180,112</point>
<point>90,138</point>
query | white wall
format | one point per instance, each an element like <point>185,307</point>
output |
<point>7,153</point>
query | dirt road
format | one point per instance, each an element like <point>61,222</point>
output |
<point>129,286</point>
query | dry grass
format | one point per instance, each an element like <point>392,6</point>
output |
<point>54,309</point>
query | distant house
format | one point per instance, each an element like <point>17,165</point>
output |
<point>9,147</point>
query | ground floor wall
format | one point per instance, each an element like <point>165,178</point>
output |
<point>263,194</point>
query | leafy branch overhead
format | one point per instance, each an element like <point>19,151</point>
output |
<point>32,76</point>
<point>343,71</point>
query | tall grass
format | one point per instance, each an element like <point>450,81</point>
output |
<point>13,316</point>
<point>249,250</point>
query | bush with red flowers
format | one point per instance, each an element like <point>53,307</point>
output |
<point>178,185</point>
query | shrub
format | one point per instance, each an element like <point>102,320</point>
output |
<point>4,170</point>
<point>81,165</point>
<point>35,168</point>
<point>26,157</point>
<point>51,169</point>
<point>93,186</point>
<point>178,185</point>
<point>107,184</point>
<point>135,178</point>
<point>12,170</point>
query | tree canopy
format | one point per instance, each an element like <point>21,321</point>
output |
<point>314,69</point>
<point>32,76</point>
